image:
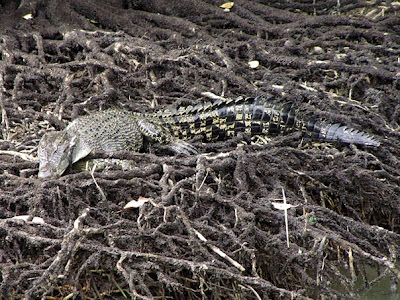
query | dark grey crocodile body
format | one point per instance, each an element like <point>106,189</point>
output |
<point>115,129</point>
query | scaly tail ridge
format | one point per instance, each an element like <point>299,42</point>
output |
<point>338,132</point>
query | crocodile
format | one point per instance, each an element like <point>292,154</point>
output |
<point>117,129</point>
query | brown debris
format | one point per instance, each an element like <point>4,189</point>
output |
<point>210,216</point>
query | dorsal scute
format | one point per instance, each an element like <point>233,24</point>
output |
<point>181,110</point>
<point>207,105</point>
<point>215,105</point>
<point>169,112</point>
<point>189,109</point>
<point>218,103</point>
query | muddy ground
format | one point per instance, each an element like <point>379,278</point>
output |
<point>209,229</point>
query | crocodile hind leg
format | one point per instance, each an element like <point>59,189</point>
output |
<point>155,133</point>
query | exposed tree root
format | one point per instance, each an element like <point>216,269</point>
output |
<point>209,229</point>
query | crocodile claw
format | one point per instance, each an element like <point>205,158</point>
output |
<point>182,147</point>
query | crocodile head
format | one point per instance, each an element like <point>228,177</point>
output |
<point>54,152</point>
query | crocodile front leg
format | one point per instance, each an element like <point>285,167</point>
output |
<point>155,133</point>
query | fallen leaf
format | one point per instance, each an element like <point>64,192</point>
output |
<point>28,17</point>
<point>254,64</point>
<point>227,5</point>
<point>282,206</point>
<point>25,218</point>
<point>136,203</point>
<point>93,21</point>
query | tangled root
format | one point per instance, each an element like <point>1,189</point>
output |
<point>209,226</point>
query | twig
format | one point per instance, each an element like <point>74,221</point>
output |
<point>212,96</point>
<point>4,118</point>
<point>69,246</point>
<point>286,219</point>
<point>103,196</point>
<point>220,252</point>
<point>23,156</point>
<point>251,289</point>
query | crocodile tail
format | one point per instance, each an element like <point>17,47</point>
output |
<point>338,132</point>
<point>262,115</point>
<point>282,118</point>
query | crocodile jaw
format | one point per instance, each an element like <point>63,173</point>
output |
<point>55,149</point>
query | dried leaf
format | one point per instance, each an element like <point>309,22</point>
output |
<point>136,203</point>
<point>282,206</point>
<point>254,64</point>
<point>37,220</point>
<point>228,5</point>
<point>28,16</point>
<point>93,21</point>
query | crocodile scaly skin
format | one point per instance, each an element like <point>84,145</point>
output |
<point>115,129</point>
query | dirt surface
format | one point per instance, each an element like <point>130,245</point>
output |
<point>209,229</point>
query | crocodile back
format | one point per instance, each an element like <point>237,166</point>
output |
<point>109,130</point>
<point>115,130</point>
<point>226,118</point>
<point>262,115</point>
